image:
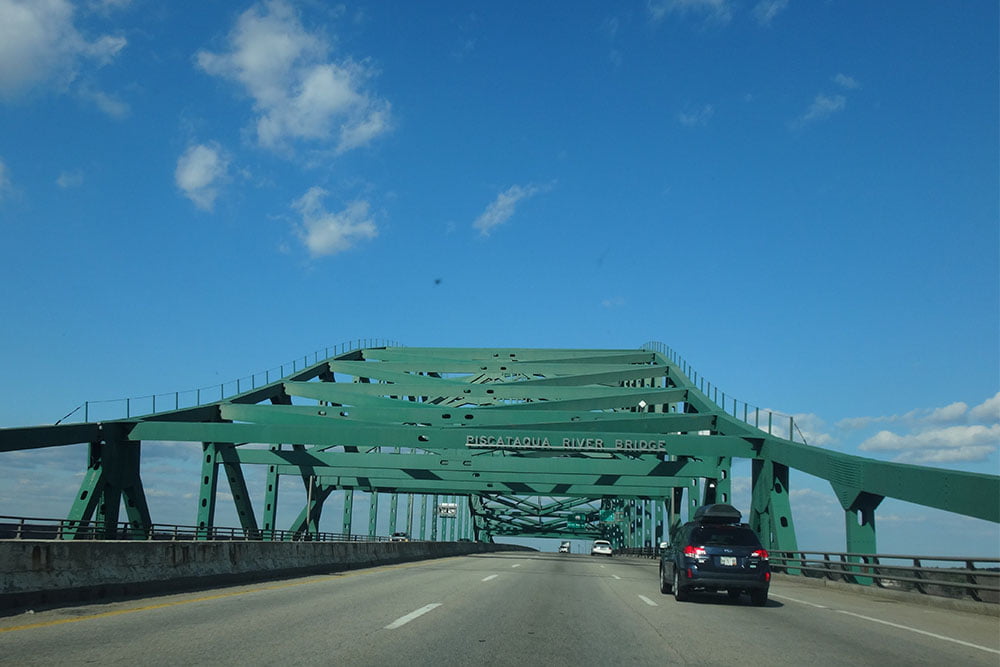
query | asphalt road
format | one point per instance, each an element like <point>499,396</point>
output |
<point>498,609</point>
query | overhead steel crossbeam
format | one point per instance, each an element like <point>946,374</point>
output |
<point>530,439</point>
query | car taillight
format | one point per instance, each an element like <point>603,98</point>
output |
<point>761,554</point>
<point>694,552</point>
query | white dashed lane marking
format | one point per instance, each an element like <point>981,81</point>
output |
<point>403,620</point>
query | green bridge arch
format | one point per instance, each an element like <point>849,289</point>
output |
<point>615,443</point>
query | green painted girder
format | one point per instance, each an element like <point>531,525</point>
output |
<point>401,413</point>
<point>388,482</point>
<point>367,435</point>
<point>433,355</point>
<point>570,373</point>
<point>572,377</point>
<point>631,398</point>
<point>472,393</point>
<point>35,437</point>
<point>968,493</point>
<point>448,466</point>
<point>554,505</point>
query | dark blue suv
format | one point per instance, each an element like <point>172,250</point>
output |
<point>715,552</point>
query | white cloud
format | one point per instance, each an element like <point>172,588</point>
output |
<point>939,445</point>
<point>41,47</point>
<point>948,414</point>
<point>987,411</point>
<point>814,504</point>
<point>109,104</point>
<point>199,171</point>
<point>70,179</point>
<point>109,5</point>
<point>298,93</point>
<point>766,10</point>
<point>696,117</point>
<point>847,82</point>
<point>718,10</point>
<point>614,302</point>
<point>813,429</point>
<point>326,233</point>
<point>823,106</point>
<point>503,207</point>
<point>954,413</point>
<point>4,180</point>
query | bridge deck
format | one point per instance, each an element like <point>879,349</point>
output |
<point>500,609</point>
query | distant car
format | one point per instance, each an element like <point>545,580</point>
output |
<point>601,548</point>
<point>564,548</point>
<point>400,536</point>
<point>716,552</point>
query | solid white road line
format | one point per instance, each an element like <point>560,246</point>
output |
<point>920,632</point>
<point>492,576</point>
<point>648,601</point>
<point>811,604</point>
<point>894,625</point>
<point>403,620</point>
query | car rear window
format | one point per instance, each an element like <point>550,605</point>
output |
<point>725,536</point>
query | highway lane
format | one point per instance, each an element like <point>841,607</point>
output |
<point>498,609</point>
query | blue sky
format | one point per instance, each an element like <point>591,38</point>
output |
<point>801,198</point>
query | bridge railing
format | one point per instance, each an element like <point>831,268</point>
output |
<point>769,421</point>
<point>139,406</point>
<point>31,528</point>
<point>951,576</point>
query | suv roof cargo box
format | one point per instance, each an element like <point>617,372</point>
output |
<point>717,513</point>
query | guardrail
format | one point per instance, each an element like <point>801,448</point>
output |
<point>977,578</point>
<point>908,573</point>
<point>31,528</point>
<point>139,406</point>
<point>769,421</point>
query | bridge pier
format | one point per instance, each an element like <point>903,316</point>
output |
<point>859,525</point>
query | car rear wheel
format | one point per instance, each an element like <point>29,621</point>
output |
<point>679,594</point>
<point>758,597</point>
<point>665,586</point>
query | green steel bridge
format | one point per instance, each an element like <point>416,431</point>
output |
<point>553,443</point>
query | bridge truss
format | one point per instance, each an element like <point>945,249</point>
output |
<point>534,442</point>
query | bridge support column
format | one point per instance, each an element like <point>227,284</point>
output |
<point>393,512</point>
<point>373,514</point>
<point>674,511</point>
<point>112,476</point>
<point>859,524</point>
<point>348,511</point>
<point>423,516</point>
<point>434,519</point>
<point>207,489</point>
<point>770,510</point>
<point>724,482</point>
<point>238,488</point>
<point>659,521</point>
<point>694,498</point>
<point>269,519</point>
<point>306,523</point>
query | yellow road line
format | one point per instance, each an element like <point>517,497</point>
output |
<point>206,598</point>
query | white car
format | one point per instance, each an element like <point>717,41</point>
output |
<point>564,548</point>
<point>601,548</point>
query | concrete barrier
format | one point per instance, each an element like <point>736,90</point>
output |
<point>39,573</point>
